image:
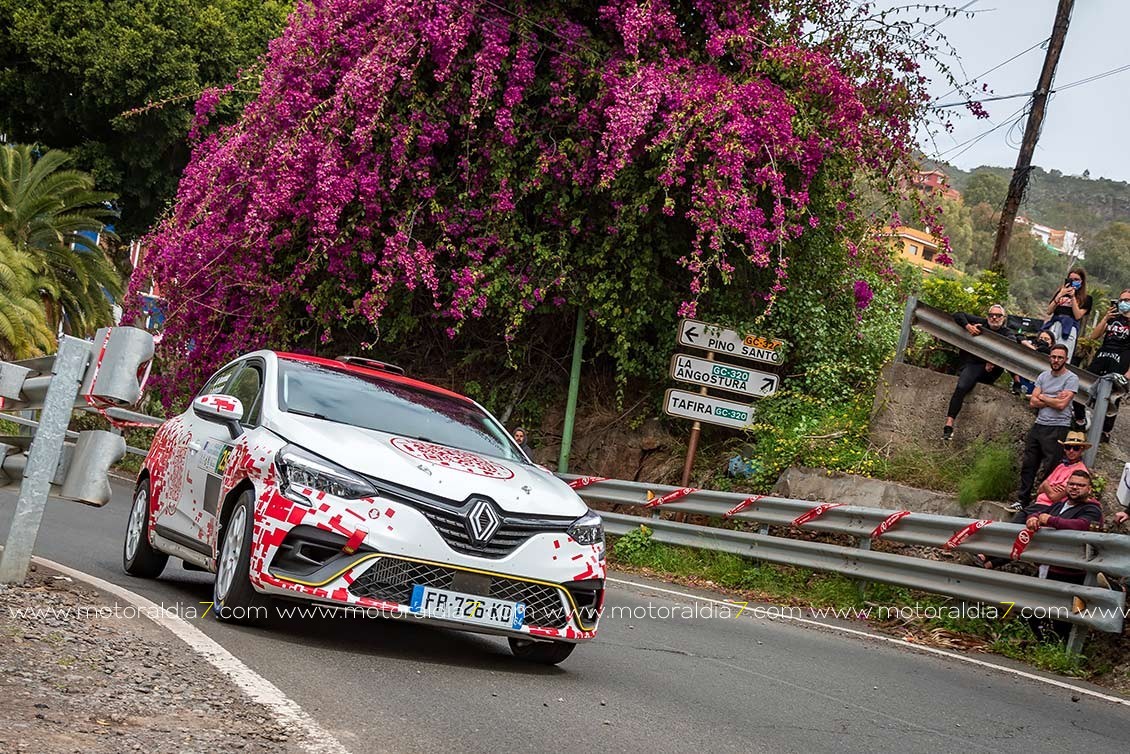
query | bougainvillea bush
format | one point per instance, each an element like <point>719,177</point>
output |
<point>451,164</point>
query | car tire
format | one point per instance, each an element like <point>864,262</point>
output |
<point>234,599</point>
<point>543,652</point>
<point>138,556</point>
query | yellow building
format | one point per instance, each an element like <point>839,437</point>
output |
<point>915,246</point>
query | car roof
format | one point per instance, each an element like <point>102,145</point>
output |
<point>389,376</point>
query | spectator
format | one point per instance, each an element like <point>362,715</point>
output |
<point>1078,511</point>
<point>973,368</point>
<point>520,438</point>
<point>1055,388</point>
<point>1051,491</point>
<point>1054,488</point>
<point>1042,342</point>
<point>1114,352</point>
<point>1066,310</point>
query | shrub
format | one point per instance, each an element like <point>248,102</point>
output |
<point>991,475</point>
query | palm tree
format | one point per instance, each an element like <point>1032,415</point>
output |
<point>23,322</point>
<point>53,215</point>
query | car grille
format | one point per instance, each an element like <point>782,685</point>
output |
<point>449,519</point>
<point>512,532</point>
<point>392,579</point>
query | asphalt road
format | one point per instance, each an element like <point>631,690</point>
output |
<point>646,684</point>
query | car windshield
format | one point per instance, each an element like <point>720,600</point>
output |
<point>369,401</point>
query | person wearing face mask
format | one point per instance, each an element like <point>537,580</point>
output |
<point>1114,352</point>
<point>1066,310</point>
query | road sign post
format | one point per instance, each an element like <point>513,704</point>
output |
<point>692,445</point>
<point>709,373</point>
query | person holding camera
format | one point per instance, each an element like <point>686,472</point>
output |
<point>1113,356</point>
<point>1067,309</point>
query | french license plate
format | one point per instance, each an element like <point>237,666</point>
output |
<point>430,602</point>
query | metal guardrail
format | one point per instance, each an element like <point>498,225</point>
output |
<point>117,413</point>
<point>1100,392</point>
<point>1088,551</point>
<point>1104,606</point>
<point>1003,352</point>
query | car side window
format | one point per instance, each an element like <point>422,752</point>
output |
<point>248,387</point>
<point>220,380</point>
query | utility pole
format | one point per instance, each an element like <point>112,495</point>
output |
<point>1019,180</point>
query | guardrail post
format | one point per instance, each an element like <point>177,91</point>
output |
<point>1098,417</point>
<point>907,324</point>
<point>863,543</point>
<point>43,458</point>
<point>1078,636</point>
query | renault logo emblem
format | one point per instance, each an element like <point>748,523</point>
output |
<point>482,522</point>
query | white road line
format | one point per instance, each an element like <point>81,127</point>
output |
<point>892,640</point>
<point>312,737</point>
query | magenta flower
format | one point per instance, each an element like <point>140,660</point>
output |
<point>863,294</point>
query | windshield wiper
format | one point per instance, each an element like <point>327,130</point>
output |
<point>311,414</point>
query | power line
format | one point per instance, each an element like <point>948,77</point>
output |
<point>994,68</point>
<point>1089,79</point>
<point>1015,117</point>
<point>982,99</point>
<point>1063,88</point>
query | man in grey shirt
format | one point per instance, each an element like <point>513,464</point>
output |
<point>1055,388</point>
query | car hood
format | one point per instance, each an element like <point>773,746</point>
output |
<point>435,469</point>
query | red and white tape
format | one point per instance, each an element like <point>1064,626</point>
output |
<point>586,481</point>
<point>965,534</point>
<point>1023,539</point>
<point>670,497</point>
<point>814,513</point>
<point>742,506</point>
<point>888,522</point>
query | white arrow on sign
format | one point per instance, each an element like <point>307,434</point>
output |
<point>723,376</point>
<point>711,337</point>
<point>705,408</point>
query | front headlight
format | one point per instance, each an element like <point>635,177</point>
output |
<point>299,468</point>
<point>588,530</point>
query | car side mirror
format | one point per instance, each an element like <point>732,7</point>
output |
<point>221,409</point>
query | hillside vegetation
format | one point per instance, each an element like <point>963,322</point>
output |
<point>1098,210</point>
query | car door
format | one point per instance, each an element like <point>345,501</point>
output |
<point>176,517</point>
<point>208,456</point>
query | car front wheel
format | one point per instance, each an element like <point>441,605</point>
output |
<point>544,652</point>
<point>236,601</point>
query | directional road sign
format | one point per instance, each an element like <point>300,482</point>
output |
<point>723,376</point>
<point>704,408</point>
<point>716,338</point>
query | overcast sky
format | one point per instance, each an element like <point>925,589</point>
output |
<point>1087,127</point>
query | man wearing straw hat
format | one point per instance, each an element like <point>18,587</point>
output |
<point>1054,488</point>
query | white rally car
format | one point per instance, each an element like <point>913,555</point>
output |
<point>344,482</point>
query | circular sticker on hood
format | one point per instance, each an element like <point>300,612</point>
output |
<point>459,460</point>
